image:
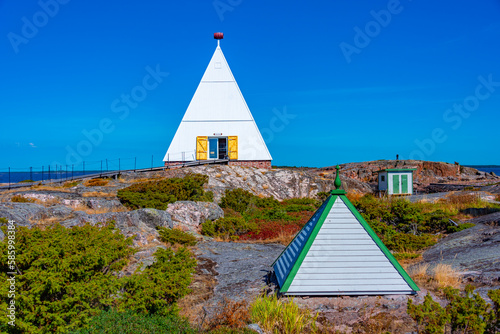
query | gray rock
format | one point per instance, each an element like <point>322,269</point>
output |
<point>475,249</point>
<point>189,215</point>
<point>2,236</point>
<point>256,328</point>
<point>242,268</point>
<point>23,214</point>
<point>140,224</point>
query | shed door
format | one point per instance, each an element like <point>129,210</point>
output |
<point>201,147</point>
<point>395,184</point>
<point>233,147</point>
<point>404,184</point>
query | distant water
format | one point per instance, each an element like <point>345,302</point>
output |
<point>487,169</point>
<point>16,177</point>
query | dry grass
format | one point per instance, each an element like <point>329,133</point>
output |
<point>283,238</point>
<point>497,198</point>
<point>45,221</point>
<point>52,188</point>
<point>435,278</point>
<point>21,199</point>
<point>354,195</point>
<point>96,183</point>
<point>445,275</point>
<point>90,211</point>
<point>98,194</point>
<point>47,203</point>
<point>229,313</point>
<point>218,175</point>
<point>265,186</point>
<point>419,272</point>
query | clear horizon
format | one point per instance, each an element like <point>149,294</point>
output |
<point>326,82</point>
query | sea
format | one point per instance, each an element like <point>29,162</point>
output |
<point>487,168</point>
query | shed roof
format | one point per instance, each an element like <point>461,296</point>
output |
<point>337,253</point>
<point>396,170</point>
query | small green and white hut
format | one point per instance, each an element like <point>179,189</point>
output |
<point>396,181</point>
<point>337,253</point>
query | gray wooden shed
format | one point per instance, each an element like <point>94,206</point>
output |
<point>337,253</point>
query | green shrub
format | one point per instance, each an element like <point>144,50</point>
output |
<point>158,194</point>
<point>431,318</point>
<point>226,227</point>
<point>26,181</point>
<point>303,201</point>
<point>275,316</point>
<point>461,227</point>
<point>159,286</point>
<point>266,202</point>
<point>237,199</point>
<point>130,322</point>
<point>276,214</point>
<point>66,275</point>
<point>466,312</point>
<point>21,199</point>
<point>176,236</point>
<point>400,242</point>
<point>299,208</point>
<point>322,195</point>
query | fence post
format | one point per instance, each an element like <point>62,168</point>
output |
<point>31,173</point>
<point>135,163</point>
<point>107,170</point>
<point>119,166</point>
<point>66,172</point>
<point>49,174</point>
<point>72,169</point>
<point>83,170</point>
<point>101,170</point>
<point>151,162</point>
<point>42,173</point>
<point>9,177</point>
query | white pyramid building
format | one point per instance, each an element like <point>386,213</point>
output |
<point>337,253</point>
<point>218,123</point>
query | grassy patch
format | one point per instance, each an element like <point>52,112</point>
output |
<point>276,316</point>
<point>21,199</point>
<point>96,182</point>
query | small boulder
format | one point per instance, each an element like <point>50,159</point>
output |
<point>189,215</point>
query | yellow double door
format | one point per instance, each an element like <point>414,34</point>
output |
<point>202,148</point>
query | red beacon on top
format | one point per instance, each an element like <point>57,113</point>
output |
<point>218,35</point>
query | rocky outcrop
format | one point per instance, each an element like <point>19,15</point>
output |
<point>426,173</point>
<point>189,215</point>
<point>475,251</point>
<point>140,224</point>
<point>281,183</point>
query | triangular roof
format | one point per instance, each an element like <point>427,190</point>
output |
<point>337,253</point>
<point>218,107</point>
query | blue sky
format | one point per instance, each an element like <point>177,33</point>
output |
<point>356,80</point>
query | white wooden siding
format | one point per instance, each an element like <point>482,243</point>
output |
<point>344,259</point>
<point>285,262</point>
